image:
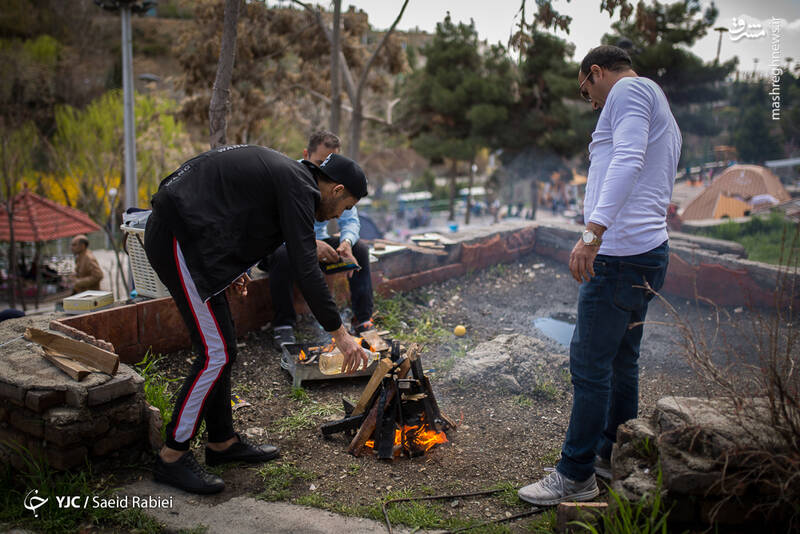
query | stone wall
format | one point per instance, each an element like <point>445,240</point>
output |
<point>702,449</point>
<point>46,414</point>
<point>67,426</point>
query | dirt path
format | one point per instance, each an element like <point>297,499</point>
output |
<point>505,438</point>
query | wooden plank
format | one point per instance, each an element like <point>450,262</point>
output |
<point>71,367</point>
<point>375,380</point>
<point>367,428</point>
<point>105,361</point>
<point>375,340</point>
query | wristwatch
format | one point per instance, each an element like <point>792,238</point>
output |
<point>590,239</point>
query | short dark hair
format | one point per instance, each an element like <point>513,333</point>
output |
<point>323,137</point>
<point>609,57</point>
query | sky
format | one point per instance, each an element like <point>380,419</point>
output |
<point>495,20</point>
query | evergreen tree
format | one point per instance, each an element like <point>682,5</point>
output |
<point>459,102</point>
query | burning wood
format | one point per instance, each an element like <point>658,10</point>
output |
<point>397,413</point>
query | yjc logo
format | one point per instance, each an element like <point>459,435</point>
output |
<point>33,502</point>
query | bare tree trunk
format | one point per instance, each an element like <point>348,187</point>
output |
<point>336,88</point>
<point>453,187</point>
<point>37,264</point>
<point>534,198</point>
<point>12,256</point>
<point>355,121</point>
<point>469,192</point>
<point>220,96</point>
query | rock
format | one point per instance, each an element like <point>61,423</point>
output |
<point>513,362</point>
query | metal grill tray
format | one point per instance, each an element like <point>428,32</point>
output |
<point>301,373</point>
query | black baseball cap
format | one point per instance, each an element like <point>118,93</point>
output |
<point>343,170</point>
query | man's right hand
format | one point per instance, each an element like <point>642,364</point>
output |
<point>355,357</point>
<point>326,253</point>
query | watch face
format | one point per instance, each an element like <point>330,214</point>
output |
<point>588,237</point>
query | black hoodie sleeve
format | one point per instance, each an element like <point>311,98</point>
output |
<point>297,206</point>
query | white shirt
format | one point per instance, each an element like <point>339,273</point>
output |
<point>634,157</point>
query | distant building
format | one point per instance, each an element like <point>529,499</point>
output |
<point>735,192</point>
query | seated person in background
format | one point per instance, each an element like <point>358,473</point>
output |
<point>87,271</point>
<point>345,247</point>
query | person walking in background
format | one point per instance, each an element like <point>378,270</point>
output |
<point>330,249</point>
<point>87,271</point>
<point>634,157</point>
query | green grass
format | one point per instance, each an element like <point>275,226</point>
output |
<point>765,239</point>
<point>306,416</point>
<point>279,478</point>
<point>524,401</point>
<point>408,322</point>
<point>545,389</point>
<point>552,456</point>
<point>37,474</point>
<point>545,523</point>
<point>648,515</point>
<point>157,387</point>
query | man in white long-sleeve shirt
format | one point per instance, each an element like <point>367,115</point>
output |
<point>634,157</point>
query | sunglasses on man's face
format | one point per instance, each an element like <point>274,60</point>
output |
<point>585,92</point>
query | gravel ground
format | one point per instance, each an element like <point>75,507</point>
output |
<point>503,437</point>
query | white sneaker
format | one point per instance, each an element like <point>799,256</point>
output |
<point>602,467</point>
<point>556,488</point>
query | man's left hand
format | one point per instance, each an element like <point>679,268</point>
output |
<point>345,250</point>
<point>240,284</point>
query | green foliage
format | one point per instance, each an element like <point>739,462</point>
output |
<point>43,49</point>
<point>408,323</point>
<point>646,516</point>
<point>752,131</point>
<point>36,474</point>
<point>279,478</point>
<point>18,150</point>
<point>768,239</point>
<point>459,101</point>
<point>157,387</point>
<point>87,151</point>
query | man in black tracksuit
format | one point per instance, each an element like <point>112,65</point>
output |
<point>213,218</point>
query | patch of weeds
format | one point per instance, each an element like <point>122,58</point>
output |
<point>447,364</point>
<point>546,389</point>
<point>646,450</point>
<point>551,457</point>
<point>299,394</point>
<point>566,376</point>
<point>199,529</point>
<point>414,514</point>
<point>407,322</point>
<point>314,500</point>
<point>353,469</point>
<point>648,515</point>
<point>508,497</point>
<point>157,387</point>
<point>545,523</point>
<point>278,479</point>
<point>306,416</point>
<point>498,270</point>
<point>524,401</point>
<point>36,474</point>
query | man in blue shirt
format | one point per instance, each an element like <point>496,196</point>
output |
<point>330,249</point>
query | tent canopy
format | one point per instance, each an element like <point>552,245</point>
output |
<point>38,219</point>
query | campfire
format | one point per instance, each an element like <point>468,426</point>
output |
<point>397,413</point>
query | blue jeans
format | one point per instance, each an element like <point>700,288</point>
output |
<point>604,354</point>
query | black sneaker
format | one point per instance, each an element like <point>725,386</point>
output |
<point>242,451</point>
<point>283,335</point>
<point>359,328</point>
<point>188,475</point>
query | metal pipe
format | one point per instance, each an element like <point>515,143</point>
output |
<point>131,188</point>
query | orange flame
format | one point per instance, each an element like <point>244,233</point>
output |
<point>421,440</point>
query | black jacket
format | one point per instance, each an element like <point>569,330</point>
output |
<point>232,206</point>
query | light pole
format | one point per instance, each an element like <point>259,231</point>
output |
<point>125,8</point>
<point>721,30</point>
